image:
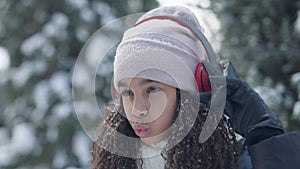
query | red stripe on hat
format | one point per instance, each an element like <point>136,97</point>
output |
<point>166,18</point>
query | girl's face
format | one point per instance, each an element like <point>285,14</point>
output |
<point>149,107</point>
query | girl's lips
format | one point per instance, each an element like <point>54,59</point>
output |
<point>140,130</point>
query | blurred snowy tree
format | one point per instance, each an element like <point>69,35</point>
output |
<point>262,38</point>
<point>39,42</point>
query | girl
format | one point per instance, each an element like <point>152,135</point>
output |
<point>158,121</point>
<point>219,151</point>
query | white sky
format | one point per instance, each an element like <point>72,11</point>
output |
<point>4,59</point>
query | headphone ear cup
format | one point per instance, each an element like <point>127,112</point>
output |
<point>202,78</point>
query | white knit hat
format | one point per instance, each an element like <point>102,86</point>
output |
<point>161,50</point>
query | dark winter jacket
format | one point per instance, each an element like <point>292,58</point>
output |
<point>278,152</point>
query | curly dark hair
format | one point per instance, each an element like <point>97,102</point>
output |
<point>218,152</point>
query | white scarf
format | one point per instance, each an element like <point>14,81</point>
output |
<point>151,154</point>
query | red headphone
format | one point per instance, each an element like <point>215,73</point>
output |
<point>202,79</point>
<point>201,75</point>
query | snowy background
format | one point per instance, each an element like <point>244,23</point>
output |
<point>40,41</point>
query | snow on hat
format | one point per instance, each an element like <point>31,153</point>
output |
<point>160,49</point>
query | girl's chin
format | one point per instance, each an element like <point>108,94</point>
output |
<point>154,139</point>
<point>150,140</point>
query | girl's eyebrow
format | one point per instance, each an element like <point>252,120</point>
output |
<point>143,82</point>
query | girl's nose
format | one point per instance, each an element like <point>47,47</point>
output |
<point>140,106</point>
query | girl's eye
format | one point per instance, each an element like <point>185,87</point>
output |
<point>126,93</point>
<point>153,89</point>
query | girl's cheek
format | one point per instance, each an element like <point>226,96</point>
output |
<point>158,103</point>
<point>127,105</point>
